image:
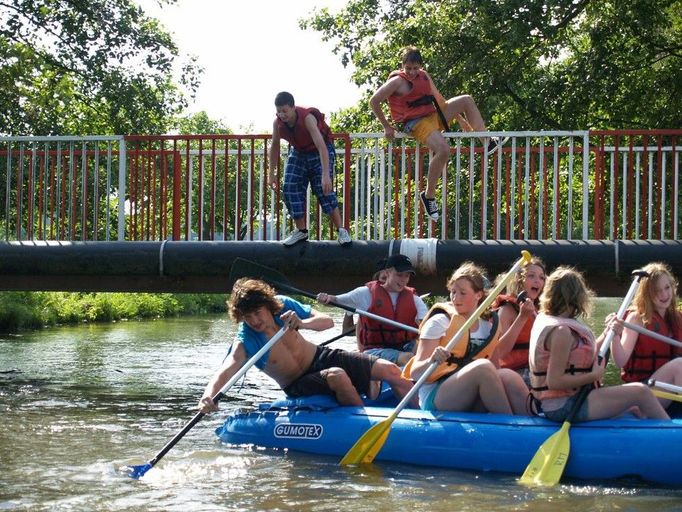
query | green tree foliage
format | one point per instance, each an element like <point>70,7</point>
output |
<point>29,310</point>
<point>84,67</point>
<point>557,64</point>
<point>200,123</point>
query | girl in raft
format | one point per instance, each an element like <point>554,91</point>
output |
<point>563,358</point>
<point>642,357</point>
<point>517,310</point>
<point>466,379</point>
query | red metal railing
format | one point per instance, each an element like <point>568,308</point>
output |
<point>598,185</point>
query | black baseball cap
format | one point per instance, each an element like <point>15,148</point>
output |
<point>400,263</point>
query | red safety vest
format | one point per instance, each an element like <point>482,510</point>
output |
<point>517,357</point>
<point>399,105</point>
<point>580,358</point>
<point>375,334</point>
<point>298,135</point>
<point>649,353</point>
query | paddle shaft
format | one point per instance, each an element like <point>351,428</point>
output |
<point>647,332</point>
<point>338,337</point>
<point>362,312</point>
<point>243,268</point>
<point>639,274</point>
<point>352,329</point>
<point>664,385</point>
<point>197,417</point>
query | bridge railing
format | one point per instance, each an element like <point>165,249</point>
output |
<point>541,185</point>
<point>62,188</point>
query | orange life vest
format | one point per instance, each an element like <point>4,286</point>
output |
<point>517,357</point>
<point>375,334</point>
<point>298,135</point>
<point>463,352</point>
<point>649,354</point>
<point>580,358</point>
<point>401,110</point>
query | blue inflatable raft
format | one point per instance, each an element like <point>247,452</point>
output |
<point>610,449</point>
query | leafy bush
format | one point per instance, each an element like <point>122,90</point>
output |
<point>29,310</point>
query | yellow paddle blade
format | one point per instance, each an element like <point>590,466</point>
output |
<point>549,461</point>
<point>366,448</point>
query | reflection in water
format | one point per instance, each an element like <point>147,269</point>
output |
<point>80,403</point>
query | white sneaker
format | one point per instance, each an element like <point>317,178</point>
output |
<point>496,143</point>
<point>295,237</point>
<point>344,237</point>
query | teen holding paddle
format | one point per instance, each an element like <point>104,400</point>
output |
<point>389,298</point>
<point>642,357</point>
<point>517,310</point>
<point>563,358</point>
<point>300,367</point>
<point>465,379</point>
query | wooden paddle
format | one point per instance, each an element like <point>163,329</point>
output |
<point>548,463</point>
<point>366,448</point>
<point>246,268</point>
<point>139,470</point>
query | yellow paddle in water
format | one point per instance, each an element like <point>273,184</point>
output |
<point>548,464</point>
<point>369,444</point>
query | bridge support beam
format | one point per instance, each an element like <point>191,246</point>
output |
<point>315,266</point>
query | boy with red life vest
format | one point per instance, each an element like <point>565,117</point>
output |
<point>643,357</point>
<point>420,110</point>
<point>310,162</point>
<point>563,358</point>
<point>517,312</point>
<point>465,378</point>
<point>391,299</point>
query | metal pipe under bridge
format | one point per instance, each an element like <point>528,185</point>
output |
<point>171,212</point>
<point>176,266</point>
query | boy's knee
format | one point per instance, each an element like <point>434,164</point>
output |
<point>441,148</point>
<point>337,378</point>
<point>386,370</point>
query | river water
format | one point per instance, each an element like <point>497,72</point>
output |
<point>80,403</point>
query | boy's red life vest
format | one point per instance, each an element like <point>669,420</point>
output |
<point>298,135</point>
<point>375,334</point>
<point>401,111</point>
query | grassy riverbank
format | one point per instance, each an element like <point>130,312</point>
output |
<point>32,310</point>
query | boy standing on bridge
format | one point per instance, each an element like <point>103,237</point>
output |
<point>419,109</point>
<point>311,161</point>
